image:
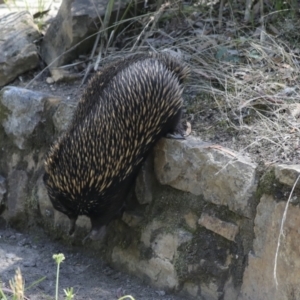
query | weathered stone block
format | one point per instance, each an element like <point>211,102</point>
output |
<point>222,177</point>
<point>287,174</point>
<point>225,229</point>
<point>161,273</point>
<point>259,282</point>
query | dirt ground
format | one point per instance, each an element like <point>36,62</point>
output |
<point>91,278</point>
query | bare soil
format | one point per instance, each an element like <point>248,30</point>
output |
<point>90,277</point>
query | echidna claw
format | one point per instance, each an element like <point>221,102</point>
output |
<point>175,136</point>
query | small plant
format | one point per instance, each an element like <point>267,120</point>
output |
<point>16,287</point>
<point>126,297</point>
<point>69,293</point>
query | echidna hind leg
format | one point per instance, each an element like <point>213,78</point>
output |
<point>96,234</point>
<point>175,129</point>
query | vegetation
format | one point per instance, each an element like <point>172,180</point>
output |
<point>17,286</point>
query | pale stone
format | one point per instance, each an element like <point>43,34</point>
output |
<point>258,281</point>
<point>225,229</point>
<point>50,80</point>
<point>161,273</point>
<point>165,246</point>
<point>219,174</point>
<point>147,232</point>
<point>166,274</point>
<point>191,220</point>
<point>287,174</point>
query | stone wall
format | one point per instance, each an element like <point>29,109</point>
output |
<point>201,220</point>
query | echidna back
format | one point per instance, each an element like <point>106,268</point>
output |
<point>91,167</point>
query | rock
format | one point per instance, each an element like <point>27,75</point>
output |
<point>165,244</point>
<point>63,115</point>
<point>258,281</point>
<point>42,200</point>
<point>161,273</point>
<point>18,51</point>
<point>22,112</point>
<point>75,21</point>
<point>287,174</point>
<point>50,80</point>
<point>16,196</point>
<point>217,173</point>
<point>191,220</point>
<point>143,183</point>
<point>225,229</point>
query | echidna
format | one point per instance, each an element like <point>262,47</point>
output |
<point>125,109</point>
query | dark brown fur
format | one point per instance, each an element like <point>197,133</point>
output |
<point>125,109</point>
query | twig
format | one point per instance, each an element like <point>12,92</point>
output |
<point>94,47</point>
<point>153,19</point>
<point>221,13</point>
<point>281,233</point>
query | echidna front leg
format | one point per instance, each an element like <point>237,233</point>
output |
<point>174,127</point>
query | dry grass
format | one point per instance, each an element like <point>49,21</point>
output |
<point>243,92</point>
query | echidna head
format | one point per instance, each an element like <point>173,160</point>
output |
<point>57,198</point>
